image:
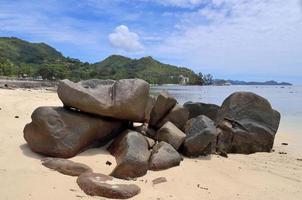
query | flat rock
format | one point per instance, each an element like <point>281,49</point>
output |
<point>164,103</point>
<point>159,180</point>
<point>171,134</point>
<point>96,184</point>
<point>59,132</point>
<point>200,132</point>
<point>131,151</point>
<point>178,115</point>
<point>164,156</point>
<point>197,108</point>
<point>65,166</point>
<point>248,124</point>
<point>125,99</point>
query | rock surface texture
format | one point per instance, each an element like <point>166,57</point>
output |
<point>164,103</point>
<point>125,99</point>
<point>59,132</point>
<point>178,115</point>
<point>248,124</point>
<point>65,166</point>
<point>131,151</point>
<point>200,133</point>
<point>96,184</point>
<point>164,156</point>
<point>171,134</point>
<point>196,108</point>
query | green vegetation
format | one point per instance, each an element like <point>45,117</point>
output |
<point>20,58</point>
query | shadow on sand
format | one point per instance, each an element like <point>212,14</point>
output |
<point>27,152</point>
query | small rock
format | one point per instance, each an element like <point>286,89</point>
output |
<point>299,159</point>
<point>16,116</point>
<point>164,156</point>
<point>131,152</point>
<point>108,163</point>
<point>281,152</point>
<point>285,144</point>
<point>96,184</point>
<point>171,134</point>
<point>65,166</point>
<point>159,180</point>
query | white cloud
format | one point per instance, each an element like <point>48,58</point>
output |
<point>123,38</point>
<point>240,36</point>
<point>179,3</point>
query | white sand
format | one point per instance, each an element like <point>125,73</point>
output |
<point>258,176</point>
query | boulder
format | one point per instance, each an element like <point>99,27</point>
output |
<point>125,99</point>
<point>196,108</point>
<point>171,134</point>
<point>248,124</point>
<point>178,116</point>
<point>150,105</point>
<point>131,151</point>
<point>200,134</point>
<point>164,156</point>
<point>65,166</point>
<point>164,103</point>
<point>96,184</point>
<point>59,132</point>
<point>150,141</point>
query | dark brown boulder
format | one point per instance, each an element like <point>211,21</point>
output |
<point>131,151</point>
<point>178,116</point>
<point>197,108</point>
<point>59,132</point>
<point>96,184</point>
<point>171,134</point>
<point>200,133</point>
<point>65,166</point>
<point>125,99</point>
<point>164,156</point>
<point>164,103</point>
<point>248,124</point>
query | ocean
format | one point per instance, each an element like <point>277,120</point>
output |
<point>286,99</point>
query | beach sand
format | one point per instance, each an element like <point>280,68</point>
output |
<point>257,176</point>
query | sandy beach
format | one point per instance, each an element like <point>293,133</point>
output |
<point>257,176</point>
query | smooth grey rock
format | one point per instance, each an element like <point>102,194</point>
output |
<point>171,134</point>
<point>131,151</point>
<point>125,99</point>
<point>197,108</point>
<point>59,132</point>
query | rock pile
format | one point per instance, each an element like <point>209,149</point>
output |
<point>97,111</point>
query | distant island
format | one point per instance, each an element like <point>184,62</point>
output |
<point>235,82</point>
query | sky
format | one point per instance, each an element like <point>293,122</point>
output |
<point>254,40</point>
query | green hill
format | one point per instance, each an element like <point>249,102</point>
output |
<point>22,58</point>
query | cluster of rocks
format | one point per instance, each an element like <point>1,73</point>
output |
<point>98,111</point>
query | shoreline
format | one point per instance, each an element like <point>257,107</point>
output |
<point>255,176</point>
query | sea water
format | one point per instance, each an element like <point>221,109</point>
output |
<point>286,99</point>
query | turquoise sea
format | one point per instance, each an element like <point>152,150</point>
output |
<point>286,99</point>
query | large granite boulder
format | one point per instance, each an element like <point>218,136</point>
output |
<point>59,132</point>
<point>178,116</point>
<point>164,103</point>
<point>125,99</point>
<point>197,108</point>
<point>96,184</point>
<point>131,151</point>
<point>171,134</point>
<point>164,156</point>
<point>65,166</point>
<point>248,124</point>
<point>200,134</point>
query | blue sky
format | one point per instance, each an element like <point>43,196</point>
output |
<point>235,39</point>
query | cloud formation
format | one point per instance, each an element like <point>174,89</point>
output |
<point>122,38</point>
